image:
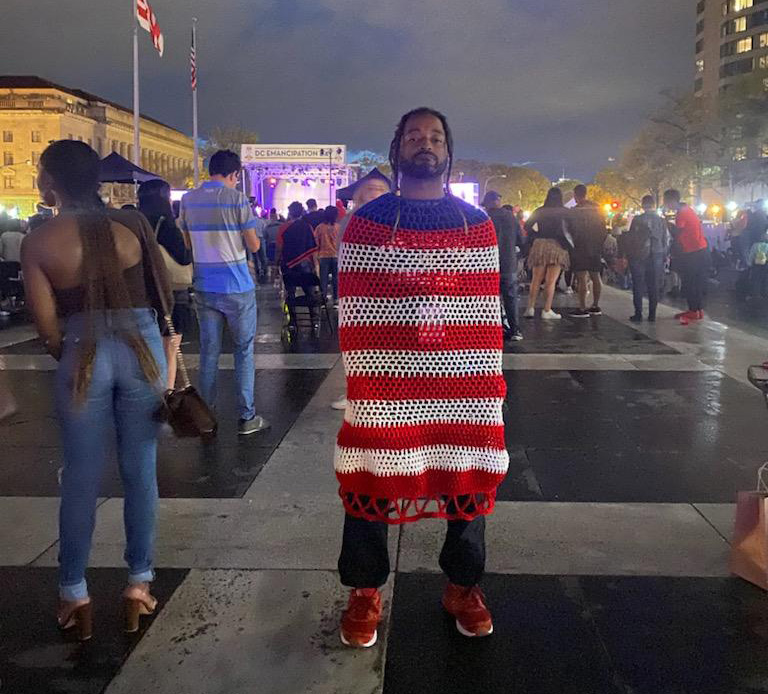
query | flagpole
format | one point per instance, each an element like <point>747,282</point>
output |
<point>136,125</point>
<point>194,108</point>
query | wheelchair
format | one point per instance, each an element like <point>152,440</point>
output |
<point>298,310</point>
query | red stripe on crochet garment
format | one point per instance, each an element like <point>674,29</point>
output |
<point>421,338</point>
<point>425,387</point>
<point>436,494</point>
<point>394,285</point>
<point>484,436</point>
<point>370,233</point>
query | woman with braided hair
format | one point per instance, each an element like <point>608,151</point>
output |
<point>421,341</point>
<point>89,285</point>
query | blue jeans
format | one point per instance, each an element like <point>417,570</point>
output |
<point>238,311</point>
<point>647,280</point>
<point>329,266</point>
<point>118,399</point>
<point>508,290</point>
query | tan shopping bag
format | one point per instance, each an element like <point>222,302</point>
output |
<point>749,548</point>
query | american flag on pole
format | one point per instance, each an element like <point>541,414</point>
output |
<point>148,22</point>
<point>193,65</point>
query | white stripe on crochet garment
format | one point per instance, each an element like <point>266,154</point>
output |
<point>390,362</point>
<point>388,413</point>
<point>417,461</point>
<point>415,310</point>
<point>356,257</point>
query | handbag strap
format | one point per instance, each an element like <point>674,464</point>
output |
<point>186,383</point>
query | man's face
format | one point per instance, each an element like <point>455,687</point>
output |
<point>423,151</point>
<point>370,190</point>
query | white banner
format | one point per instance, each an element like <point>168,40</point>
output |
<point>294,154</point>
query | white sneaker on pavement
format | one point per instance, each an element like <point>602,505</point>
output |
<point>340,404</point>
<point>529,313</point>
<point>550,315</point>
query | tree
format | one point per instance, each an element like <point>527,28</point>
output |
<point>228,137</point>
<point>518,185</point>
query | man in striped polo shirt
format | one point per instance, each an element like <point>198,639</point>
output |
<point>221,225</point>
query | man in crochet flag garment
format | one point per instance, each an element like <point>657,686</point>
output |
<point>421,340</point>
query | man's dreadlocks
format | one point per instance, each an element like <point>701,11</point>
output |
<point>394,147</point>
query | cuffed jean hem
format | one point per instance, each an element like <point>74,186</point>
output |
<point>79,591</point>
<point>143,577</point>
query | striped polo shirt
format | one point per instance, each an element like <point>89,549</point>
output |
<point>215,217</point>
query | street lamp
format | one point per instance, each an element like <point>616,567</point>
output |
<point>489,179</point>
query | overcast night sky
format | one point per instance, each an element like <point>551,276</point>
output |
<point>520,80</point>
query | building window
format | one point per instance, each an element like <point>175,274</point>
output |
<point>739,153</point>
<point>699,26</point>
<point>35,158</point>
<point>739,24</point>
<point>36,136</point>
<point>762,40</point>
<point>7,135</point>
<point>8,182</point>
<point>114,145</point>
<point>764,150</point>
<point>700,65</point>
<point>699,45</point>
<point>739,5</point>
<point>725,8</point>
<point>744,45</point>
<point>698,85</point>
<point>762,62</point>
<point>8,158</point>
<point>700,7</point>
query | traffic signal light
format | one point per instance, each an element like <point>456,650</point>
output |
<point>615,205</point>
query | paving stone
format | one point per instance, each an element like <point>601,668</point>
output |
<point>270,632</point>
<point>286,532</point>
<point>542,643</point>
<point>35,658</point>
<point>721,516</point>
<point>583,539</point>
<point>30,526</point>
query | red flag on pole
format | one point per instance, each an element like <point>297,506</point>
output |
<point>148,22</point>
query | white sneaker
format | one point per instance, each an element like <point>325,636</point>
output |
<point>550,315</point>
<point>529,313</point>
<point>340,404</point>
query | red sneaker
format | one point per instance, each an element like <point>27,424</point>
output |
<point>360,621</point>
<point>678,316</point>
<point>468,606</point>
<point>689,316</point>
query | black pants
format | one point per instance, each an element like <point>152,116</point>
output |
<point>758,280</point>
<point>509,300</point>
<point>310,285</point>
<point>647,278</point>
<point>693,275</point>
<point>364,559</point>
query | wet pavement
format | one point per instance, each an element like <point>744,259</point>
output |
<point>607,553</point>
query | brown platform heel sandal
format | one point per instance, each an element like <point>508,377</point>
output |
<point>137,601</point>
<point>78,616</point>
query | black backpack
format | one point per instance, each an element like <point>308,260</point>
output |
<point>637,242</point>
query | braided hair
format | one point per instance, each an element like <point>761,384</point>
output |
<point>394,147</point>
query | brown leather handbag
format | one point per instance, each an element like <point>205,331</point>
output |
<point>183,408</point>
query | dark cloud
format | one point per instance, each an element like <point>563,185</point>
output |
<point>548,81</point>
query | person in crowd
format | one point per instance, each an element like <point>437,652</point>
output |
<point>327,236</point>
<point>299,265</point>
<point>548,238</point>
<point>271,229</point>
<point>588,229</point>
<point>221,228</point>
<point>691,257</point>
<point>10,244</point>
<point>646,246</point>
<point>366,189</point>
<point>314,216</point>
<point>508,238</point>
<point>90,270</point>
<point>757,224</point>
<point>418,274</point>
<point>757,262</point>
<point>155,204</point>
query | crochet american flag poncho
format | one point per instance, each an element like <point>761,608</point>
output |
<point>421,341</point>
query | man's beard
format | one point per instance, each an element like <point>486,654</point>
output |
<point>424,168</point>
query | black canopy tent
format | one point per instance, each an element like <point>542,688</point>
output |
<point>117,169</point>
